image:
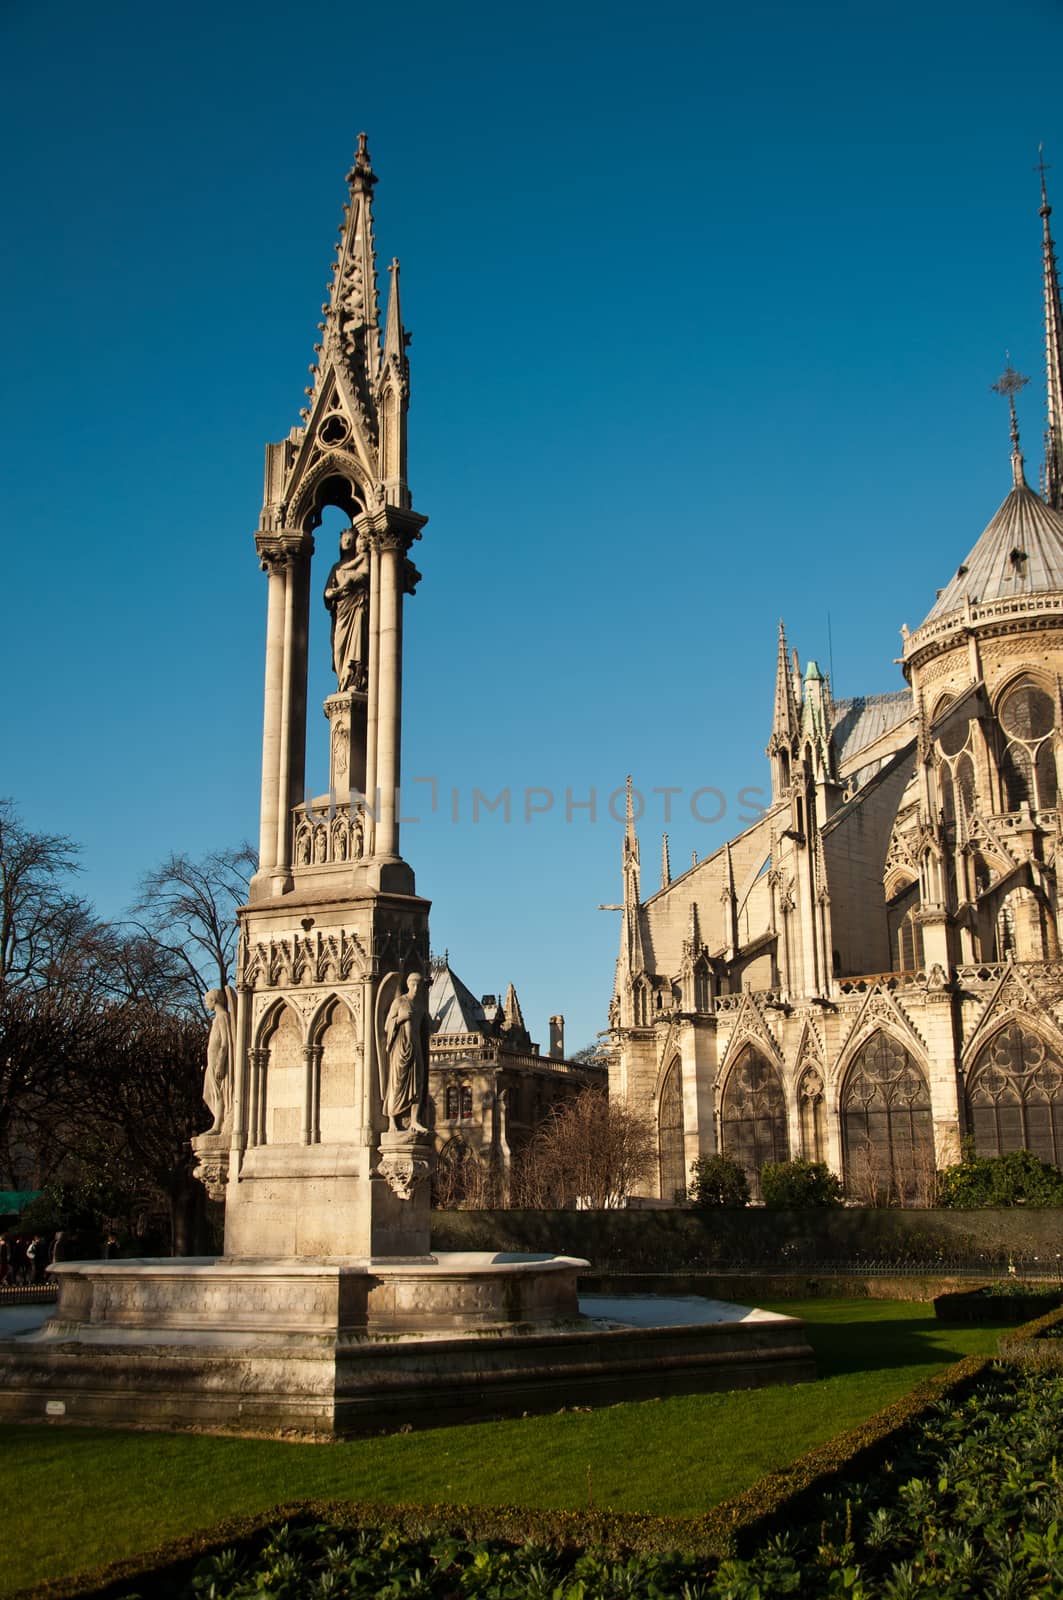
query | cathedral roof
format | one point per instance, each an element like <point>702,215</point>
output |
<point>1020,553</point>
<point>455,1007</point>
<point>860,721</point>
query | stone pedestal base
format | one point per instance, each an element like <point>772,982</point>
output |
<point>211,1151</point>
<point>325,1349</point>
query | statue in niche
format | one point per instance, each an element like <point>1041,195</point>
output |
<point>347,598</point>
<point>402,1054</point>
<point>221,1056</point>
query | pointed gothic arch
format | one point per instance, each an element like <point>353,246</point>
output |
<point>335,479</point>
<point>1026,719</point>
<point>753,1114</point>
<point>281,1090</point>
<point>1014,1093</point>
<point>811,1112</point>
<point>671,1134</point>
<point>887,1124</point>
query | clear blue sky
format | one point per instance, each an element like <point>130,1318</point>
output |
<point>706,304</point>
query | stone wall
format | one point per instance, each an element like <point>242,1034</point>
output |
<point>674,1239</point>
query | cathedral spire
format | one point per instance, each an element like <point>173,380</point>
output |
<point>1053,469</point>
<point>666,865</point>
<point>1009,384</point>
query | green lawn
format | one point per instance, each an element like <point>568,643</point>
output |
<point>86,1496</point>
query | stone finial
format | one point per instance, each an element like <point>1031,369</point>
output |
<point>361,175</point>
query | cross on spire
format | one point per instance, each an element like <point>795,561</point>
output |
<point>1009,384</point>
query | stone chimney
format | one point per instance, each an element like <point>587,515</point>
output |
<point>557,1036</point>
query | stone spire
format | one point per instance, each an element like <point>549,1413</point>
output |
<point>1009,384</point>
<point>729,901</point>
<point>393,398</point>
<point>511,1011</point>
<point>666,865</point>
<point>632,909</point>
<point>1053,468</point>
<point>353,313</point>
<point>816,721</point>
<point>785,722</point>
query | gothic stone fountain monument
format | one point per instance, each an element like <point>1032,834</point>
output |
<point>328,1312</point>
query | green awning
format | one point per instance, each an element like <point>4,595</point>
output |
<point>15,1199</point>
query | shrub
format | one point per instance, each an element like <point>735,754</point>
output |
<point>718,1181</point>
<point>1013,1180</point>
<point>796,1185</point>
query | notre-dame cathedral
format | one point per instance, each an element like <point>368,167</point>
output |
<point>871,973</point>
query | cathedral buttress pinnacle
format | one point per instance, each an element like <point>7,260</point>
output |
<point>785,722</point>
<point>632,910</point>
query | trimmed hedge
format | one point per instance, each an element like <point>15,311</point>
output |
<point>677,1239</point>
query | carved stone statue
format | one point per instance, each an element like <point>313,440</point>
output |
<point>403,1056</point>
<point>221,1056</point>
<point>347,598</point>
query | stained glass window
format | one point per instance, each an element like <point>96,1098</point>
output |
<point>670,1136</point>
<point>1015,1096</point>
<point>753,1116</point>
<point>887,1126</point>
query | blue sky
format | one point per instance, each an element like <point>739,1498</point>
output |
<point>706,304</point>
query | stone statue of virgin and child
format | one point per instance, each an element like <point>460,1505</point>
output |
<point>347,598</point>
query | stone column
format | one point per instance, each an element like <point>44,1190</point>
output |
<point>311,1129</point>
<point>390,531</point>
<point>272,563</point>
<point>241,1076</point>
<point>371,783</point>
<point>389,696</point>
<point>366,1101</point>
<point>292,733</point>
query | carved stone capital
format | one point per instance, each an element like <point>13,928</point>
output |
<point>278,551</point>
<point>405,1163</point>
<point>390,527</point>
<point>211,1151</point>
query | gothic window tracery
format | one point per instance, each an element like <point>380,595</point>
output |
<point>671,1144</point>
<point>1026,716</point>
<point>887,1125</point>
<point>753,1115</point>
<point>1015,1095</point>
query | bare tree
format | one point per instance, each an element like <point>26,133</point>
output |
<point>44,928</point>
<point>188,908</point>
<point>130,1103</point>
<point>589,1151</point>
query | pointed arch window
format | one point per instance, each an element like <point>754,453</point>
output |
<point>887,1126</point>
<point>753,1115</point>
<point>1015,1095</point>
<point>910,942</point>
<point>671,1131</point>
<point>1027,765</point>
